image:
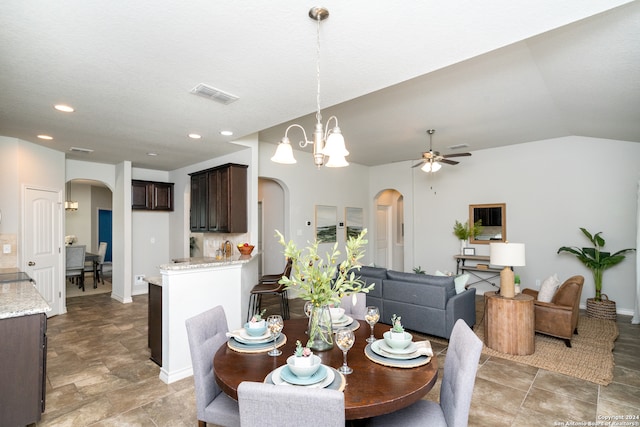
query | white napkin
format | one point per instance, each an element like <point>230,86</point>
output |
<point>234,334</point>
<point>424,348</point>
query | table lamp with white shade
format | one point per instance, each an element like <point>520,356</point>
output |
<point>507,255</point>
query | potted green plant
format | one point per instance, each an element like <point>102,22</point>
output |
<point>597,261</point>
<point>464,231</point>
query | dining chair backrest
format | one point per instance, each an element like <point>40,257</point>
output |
<point>268,404</point>
<point>456,388</point>
<point>102,252</point>
<point>355,308</point>
<point>75,257</point>
<point>458,378</point>
<point>206,332</point>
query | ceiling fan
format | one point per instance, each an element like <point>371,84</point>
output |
<point>431,160</point>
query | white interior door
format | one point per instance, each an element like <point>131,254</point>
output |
<point>383,240</point>
<point>42,244</point>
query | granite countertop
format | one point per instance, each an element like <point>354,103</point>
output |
<point>194,263</point>
<point>154,280</point>
<point>21,299</point>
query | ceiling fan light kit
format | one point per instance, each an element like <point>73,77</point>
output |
<point>432,160</point>
<point>328,143</point>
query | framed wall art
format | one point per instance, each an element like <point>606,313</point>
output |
<point>354,221</point>
<point>326,218</point>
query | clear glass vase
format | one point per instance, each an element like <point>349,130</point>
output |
<point>320,332</point>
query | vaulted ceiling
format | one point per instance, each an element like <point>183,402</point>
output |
<point>485,74</point>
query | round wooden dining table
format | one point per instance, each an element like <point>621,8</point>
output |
<point>372,389</point>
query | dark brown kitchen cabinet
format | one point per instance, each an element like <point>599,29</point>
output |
<point>23,366</point>
<point>199,202</point>
<point>155,323</point>
<point>219,199</point>
<point>151,195</point>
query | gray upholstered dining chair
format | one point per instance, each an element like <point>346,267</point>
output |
<point>206,333</point>
<point>268,405</point>
<point>357,310</point>
<point>89,267</point>
<point>456,389</point>
<point>74,260</point>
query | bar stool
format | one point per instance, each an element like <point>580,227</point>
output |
<point>268,285</point>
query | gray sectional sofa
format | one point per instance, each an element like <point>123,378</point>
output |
<point>427,304</point>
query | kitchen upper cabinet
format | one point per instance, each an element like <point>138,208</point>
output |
<point>219,199</point>
<point>199,202</point>
<point>151,195</point>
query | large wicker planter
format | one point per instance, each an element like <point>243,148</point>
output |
<point>604,309</point>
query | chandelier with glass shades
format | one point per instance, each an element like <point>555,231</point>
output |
<point>70,205</point>
<point>328,144</point>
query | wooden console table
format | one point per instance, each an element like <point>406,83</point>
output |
<point>509,323</point>
<point>474,270</point>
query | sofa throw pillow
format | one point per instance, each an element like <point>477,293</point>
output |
<point>548,288</point>
<point>459,281</point>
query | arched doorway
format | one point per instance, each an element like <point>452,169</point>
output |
<point>90,223</point>
<point>272,215</point>
<point>389,226</point>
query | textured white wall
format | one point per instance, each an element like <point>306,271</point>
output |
<point>551,188</point>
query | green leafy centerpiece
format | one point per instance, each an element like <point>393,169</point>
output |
<point>324,281</point>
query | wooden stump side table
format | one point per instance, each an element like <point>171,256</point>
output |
<point>509,325</point>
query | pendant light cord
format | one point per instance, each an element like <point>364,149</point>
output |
<point>318,115</point>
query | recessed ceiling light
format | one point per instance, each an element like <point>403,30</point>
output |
<point>152,154</point>
<point>226,133</point>
<point>194,136</point>
<point>64,108</point>
<point>47,137</point>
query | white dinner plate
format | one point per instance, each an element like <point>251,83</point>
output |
<point>375,347</point>
<point>276,378</point>
<point>344,321</point>
<point>412,348</point>
<point>245,336</point>
<point>319,375</point>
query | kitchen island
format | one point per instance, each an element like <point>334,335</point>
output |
<point>191,286</point>
<point>23,350</point>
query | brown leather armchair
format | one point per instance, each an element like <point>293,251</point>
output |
<point>559,318</point>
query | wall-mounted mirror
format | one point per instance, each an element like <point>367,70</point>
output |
<point>494,222</point>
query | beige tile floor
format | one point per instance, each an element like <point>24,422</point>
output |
<point>99,374</point>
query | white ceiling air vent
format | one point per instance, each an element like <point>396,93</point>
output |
<point>80,150</point>
<point>456,147</point>
<point>213,94</point>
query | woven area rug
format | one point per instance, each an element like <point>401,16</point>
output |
<point>590,357</point>
<point>74,291</point>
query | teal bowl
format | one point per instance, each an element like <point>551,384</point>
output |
<point>304,371</point>
<point>397,343</point>
<point>256,332</point>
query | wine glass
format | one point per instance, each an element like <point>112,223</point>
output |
<point>345,339</point>
<point>372,317</point>
<point>275,325</point>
